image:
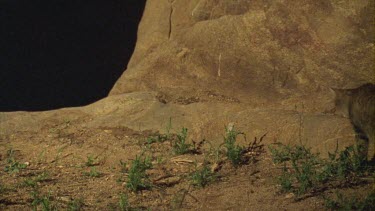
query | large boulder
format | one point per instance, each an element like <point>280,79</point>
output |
<point>260,52</point>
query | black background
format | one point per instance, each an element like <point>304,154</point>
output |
<point>63,53</point>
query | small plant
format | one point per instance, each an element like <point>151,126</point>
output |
<point>202,177</point>
<point>347,162</point>
<point>351,203</point>
<point>33,182</point>
<point>180,146</point>
<point>215,153</point>
<point>285,180</point>
<point>178,199</point>
<point>300,168</point>
<point>123,167</point>
<point>13,165</point>
<point>4,189</point>
<point>75,205</point>
<point>137,178</point>
<point>169,127</point>
<point>233,151</point>
<point>90,161</point>
<point>124,203</point>
<point>159,138</point>
<point>160,160</point>
<point>44,201</point>
<point>93,173</point>
<point>42,156</point>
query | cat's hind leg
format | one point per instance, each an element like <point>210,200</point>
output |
<point>362,142</point>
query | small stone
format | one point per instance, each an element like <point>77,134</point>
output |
<point>289,195</point>
<point>182,53</point>
<point>64,198</point>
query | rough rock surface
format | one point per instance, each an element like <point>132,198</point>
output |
<point>277,53</point>
<point>264,65</point>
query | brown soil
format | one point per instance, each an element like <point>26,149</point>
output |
<point>61,150</point>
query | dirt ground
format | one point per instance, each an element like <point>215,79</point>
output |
<point>62,154</point>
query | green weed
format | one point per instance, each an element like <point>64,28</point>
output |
<point>2,189</point>
<point>42,156</point>
<point>137,178</point>
<point>346,163</point>
<point>124,203</point>
<point>156,138</point>
<point>304,171</point>
<point>44,201</point>
<point>178,199</point>
<point>34,181</point>
<point>351,203</point>
<point>215,154</point>
<point>202,177</point>
<point>160,160</point>
<point>285,180</point>
<point>90,161</point>
<point>180,146</point>
<point>159,138</point>
<point>123,167</point>
<point>13,165</point>
<point>93,173</point>
<point>233,151</point>
<point>5,188</point>
<point>75,204</point>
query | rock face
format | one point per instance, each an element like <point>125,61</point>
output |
<point>260,52</point>
<point>264,65</point>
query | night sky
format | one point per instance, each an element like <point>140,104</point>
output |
<point>61,53</point>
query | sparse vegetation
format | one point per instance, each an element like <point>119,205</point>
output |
<point>233,151</point>
<point>159,138</point>
<point>180,145</point>
<point>203,176</point>
<point>214,154</point>
<point>137,178</point>
<point>176,179</point>
<point>305,172</point>
<point>34,181</point>
<point>236,154</point>
<point>4,189</point>
<point>93,173</point>
<point>160,160</point>
<point>13,166</point>
<point>43,201</point>
<point>90,160</point>
<point>123,167</point>
<point>351,203</point>
<point>178,199</point>
<point>124,203</point>
<point>75,204</point>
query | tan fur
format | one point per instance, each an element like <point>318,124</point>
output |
<point>359,105</point>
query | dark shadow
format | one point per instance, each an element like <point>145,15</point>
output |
<point>63,53</point>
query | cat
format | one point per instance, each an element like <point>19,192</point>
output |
<point>359,105</point>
